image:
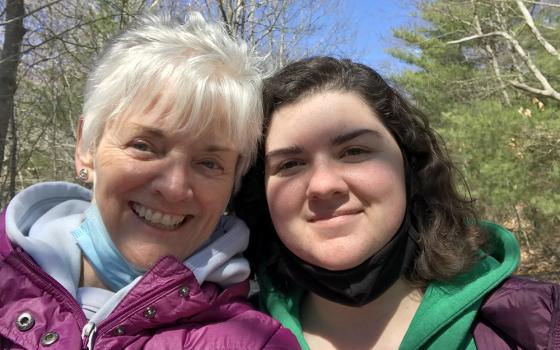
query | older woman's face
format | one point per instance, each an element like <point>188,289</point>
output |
<point>159,190</point>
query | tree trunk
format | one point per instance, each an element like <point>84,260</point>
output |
<point>12,170</point>
<point>9,60</point>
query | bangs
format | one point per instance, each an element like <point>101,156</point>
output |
<point>196,95</point>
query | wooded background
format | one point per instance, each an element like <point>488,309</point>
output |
<point>486,72</point>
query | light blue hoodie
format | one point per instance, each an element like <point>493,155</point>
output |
<point>41,218</point>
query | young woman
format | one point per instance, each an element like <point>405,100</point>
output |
<point>360,236</point>
<point>148,260</point>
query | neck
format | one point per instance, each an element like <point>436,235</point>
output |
<point>380,324</point>
<point>89,277</point>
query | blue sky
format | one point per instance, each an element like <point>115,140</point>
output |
<point>372,20</point>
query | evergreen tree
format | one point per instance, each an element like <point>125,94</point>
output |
<point>495,107</point>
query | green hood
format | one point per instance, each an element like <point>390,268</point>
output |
<point>447,310</point>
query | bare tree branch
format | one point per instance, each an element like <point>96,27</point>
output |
<point>541,3</point>
<point>29,13</point>
<point>494,59</point>
<point>550,91</point>
<point>58,36</point>
<point>529,20</point>
<point>544,92</point>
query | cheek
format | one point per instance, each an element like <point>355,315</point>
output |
<point>283,198</point>
<point>120,173</point>
<point>385,191</point>
<point>213,196</point>
<point>383,180</point>
<point>286,200</point>
<point>213,204</point>
<point>112,186</point>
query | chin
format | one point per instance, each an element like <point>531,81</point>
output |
<point>337,266</point>
<point>145,261</point>
<point>337,257</point>
<point>335,262</point>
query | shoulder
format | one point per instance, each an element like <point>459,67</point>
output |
<point>282,305</point>
<point>524,289</point>
<point>202,317</point>
<point>248,329</point>
<point>520,311</point>
<point>502,244</point>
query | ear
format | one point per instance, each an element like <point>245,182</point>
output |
<point>83,159</point>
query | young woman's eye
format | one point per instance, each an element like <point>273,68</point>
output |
<point>287,167</point>
<point>289,164</point>
<point>354,152</point>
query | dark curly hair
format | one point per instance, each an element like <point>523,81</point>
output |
<point>446,220</point>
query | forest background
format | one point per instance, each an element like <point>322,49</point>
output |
<point>486,72</point>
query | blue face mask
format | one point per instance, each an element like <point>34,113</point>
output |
<point>96,244</point>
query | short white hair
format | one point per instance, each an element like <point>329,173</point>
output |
<point>193,72</point>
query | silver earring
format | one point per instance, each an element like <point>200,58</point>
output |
<point>83,174</point>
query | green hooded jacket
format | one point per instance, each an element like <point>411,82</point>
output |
<point>447,311</point>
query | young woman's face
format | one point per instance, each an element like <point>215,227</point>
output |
<point>335,180</point>
<point>160,190</point>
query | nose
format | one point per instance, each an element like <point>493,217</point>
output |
<point>326,181</point>
<point>175,183</point>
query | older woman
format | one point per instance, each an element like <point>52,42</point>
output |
<point>363,240</point>
<point>171,120</point>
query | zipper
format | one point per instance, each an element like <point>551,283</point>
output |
<point>87,335</point>
<point>155,295</point>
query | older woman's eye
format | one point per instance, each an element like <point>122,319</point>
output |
<point>141,146</point>
<point>211,165</point>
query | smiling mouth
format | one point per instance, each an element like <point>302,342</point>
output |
<point>158,219</point>
<point>334,216</point>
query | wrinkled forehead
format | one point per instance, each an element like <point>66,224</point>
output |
<point>164,111</point>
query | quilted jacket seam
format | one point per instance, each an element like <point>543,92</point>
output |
<point>554,342</point>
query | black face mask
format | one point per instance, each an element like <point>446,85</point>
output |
<point>362,284</point>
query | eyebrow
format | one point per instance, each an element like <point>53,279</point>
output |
<point>219,148</point>
<point>336,141</point>
<point>287,151</point>
<point>156,132</point>
<point>340,139</point>
<point>149,130</point>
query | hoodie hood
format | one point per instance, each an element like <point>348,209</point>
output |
<point>448,309</point>
<point>40,220</point>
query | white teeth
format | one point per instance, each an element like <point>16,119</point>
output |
<point>141,210</point>
<point>156,217</point>
<point>167,220</point>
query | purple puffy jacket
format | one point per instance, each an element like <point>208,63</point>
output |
<point>167,309</point>
<point>502,320</point>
